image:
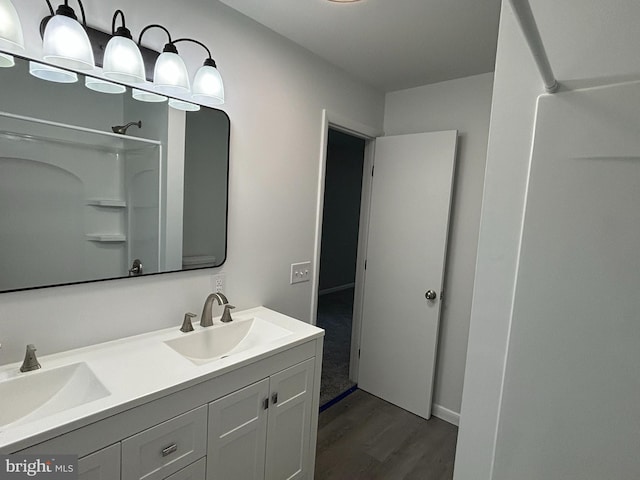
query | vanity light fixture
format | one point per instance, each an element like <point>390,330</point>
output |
<point>144,96</point>
<point>103,86</point>
<point>6,60</point>
<point>52,74</point>
<point>65,42</point>
<point>122,58</point>
<point>207,88</point>
<point>182,105</point>
<point>170,73</point>
<point>11,38</point>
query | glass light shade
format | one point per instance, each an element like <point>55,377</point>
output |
<point>170,75</point>
<point>11,38</point>
<point>182,105</point>
<point>6,60</point>
<point>123,61</point>
<point>66,44</point>
<point>102,86</point>
<point>143,96</point>
<point>52,74</point>
<point>208,88</point>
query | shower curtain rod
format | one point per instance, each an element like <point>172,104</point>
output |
<point>527,22</point>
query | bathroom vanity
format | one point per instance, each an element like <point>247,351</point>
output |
<point>232,401</point>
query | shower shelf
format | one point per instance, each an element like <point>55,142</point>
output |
<point>106,202</point>
<point>24,128</point>
<point>107,237</point>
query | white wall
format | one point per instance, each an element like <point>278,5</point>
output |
<point>463,104</point>
<point>275,95</point>
<point>587,41</point>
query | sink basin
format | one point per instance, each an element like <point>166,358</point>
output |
<point>220,341</point>
<point>35,395</point>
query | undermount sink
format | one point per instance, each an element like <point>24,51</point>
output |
<point>222,340</point>
<point>41,393</point>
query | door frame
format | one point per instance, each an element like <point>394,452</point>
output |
<point>369,134</point>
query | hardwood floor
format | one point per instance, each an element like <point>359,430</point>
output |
<point>364,437</point>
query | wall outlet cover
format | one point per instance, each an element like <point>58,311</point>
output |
<point>300,272</point>
<point>218,283</point>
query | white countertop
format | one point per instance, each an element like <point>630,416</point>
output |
<point>140,369</point>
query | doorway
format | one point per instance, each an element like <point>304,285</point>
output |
<point>338,259</point>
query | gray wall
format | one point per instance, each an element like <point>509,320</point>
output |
<point>276,92</point>
<point>340,222</point>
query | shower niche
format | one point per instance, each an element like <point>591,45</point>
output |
<point>77,202</point>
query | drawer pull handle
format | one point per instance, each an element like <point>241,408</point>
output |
<point>169,450</point>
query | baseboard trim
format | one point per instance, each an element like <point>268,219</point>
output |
<point>346,286</point>
<point>445,414</point>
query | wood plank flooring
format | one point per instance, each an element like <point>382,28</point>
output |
<point>364,437</point>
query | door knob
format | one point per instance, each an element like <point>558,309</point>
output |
<point>431,295</point>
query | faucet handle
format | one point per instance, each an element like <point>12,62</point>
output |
<point>226,315</point>
<point>186,323</point>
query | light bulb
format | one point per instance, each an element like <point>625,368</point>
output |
<point>208,88</point>
<point>182,105</point>
<point>102,86</point>
<point>66,44</point>
<point>52,74</point>
<point>123,61</point>
<point>170,75</point>
<point>11,38</point>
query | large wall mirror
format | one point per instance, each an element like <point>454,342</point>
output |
<point>81,200</point>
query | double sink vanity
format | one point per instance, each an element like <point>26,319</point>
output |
<point>236,400</point>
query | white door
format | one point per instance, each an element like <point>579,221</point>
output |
<point>290,423</point>
<point>410,204</point>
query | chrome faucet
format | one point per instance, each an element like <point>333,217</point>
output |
<point>30,361</point>
<point>206,319</point>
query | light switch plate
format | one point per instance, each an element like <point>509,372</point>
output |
<point>300,272</point>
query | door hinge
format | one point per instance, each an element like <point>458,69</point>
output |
<point>365,264</point>
<point>441,295</point>
<point>358,353</point>
<point>372,169</point>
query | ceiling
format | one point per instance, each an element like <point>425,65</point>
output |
<point>389,44</point>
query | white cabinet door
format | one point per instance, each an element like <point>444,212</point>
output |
<point>290,422</point>
<point>263,431</point>
<point>101,465</point>
<point>238,433</point>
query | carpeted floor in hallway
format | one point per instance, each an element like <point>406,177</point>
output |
<point>335,311</point>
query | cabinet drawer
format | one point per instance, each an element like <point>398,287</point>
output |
<point>195,471</point>
<point>164,449</point>
<point>101,465</point>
